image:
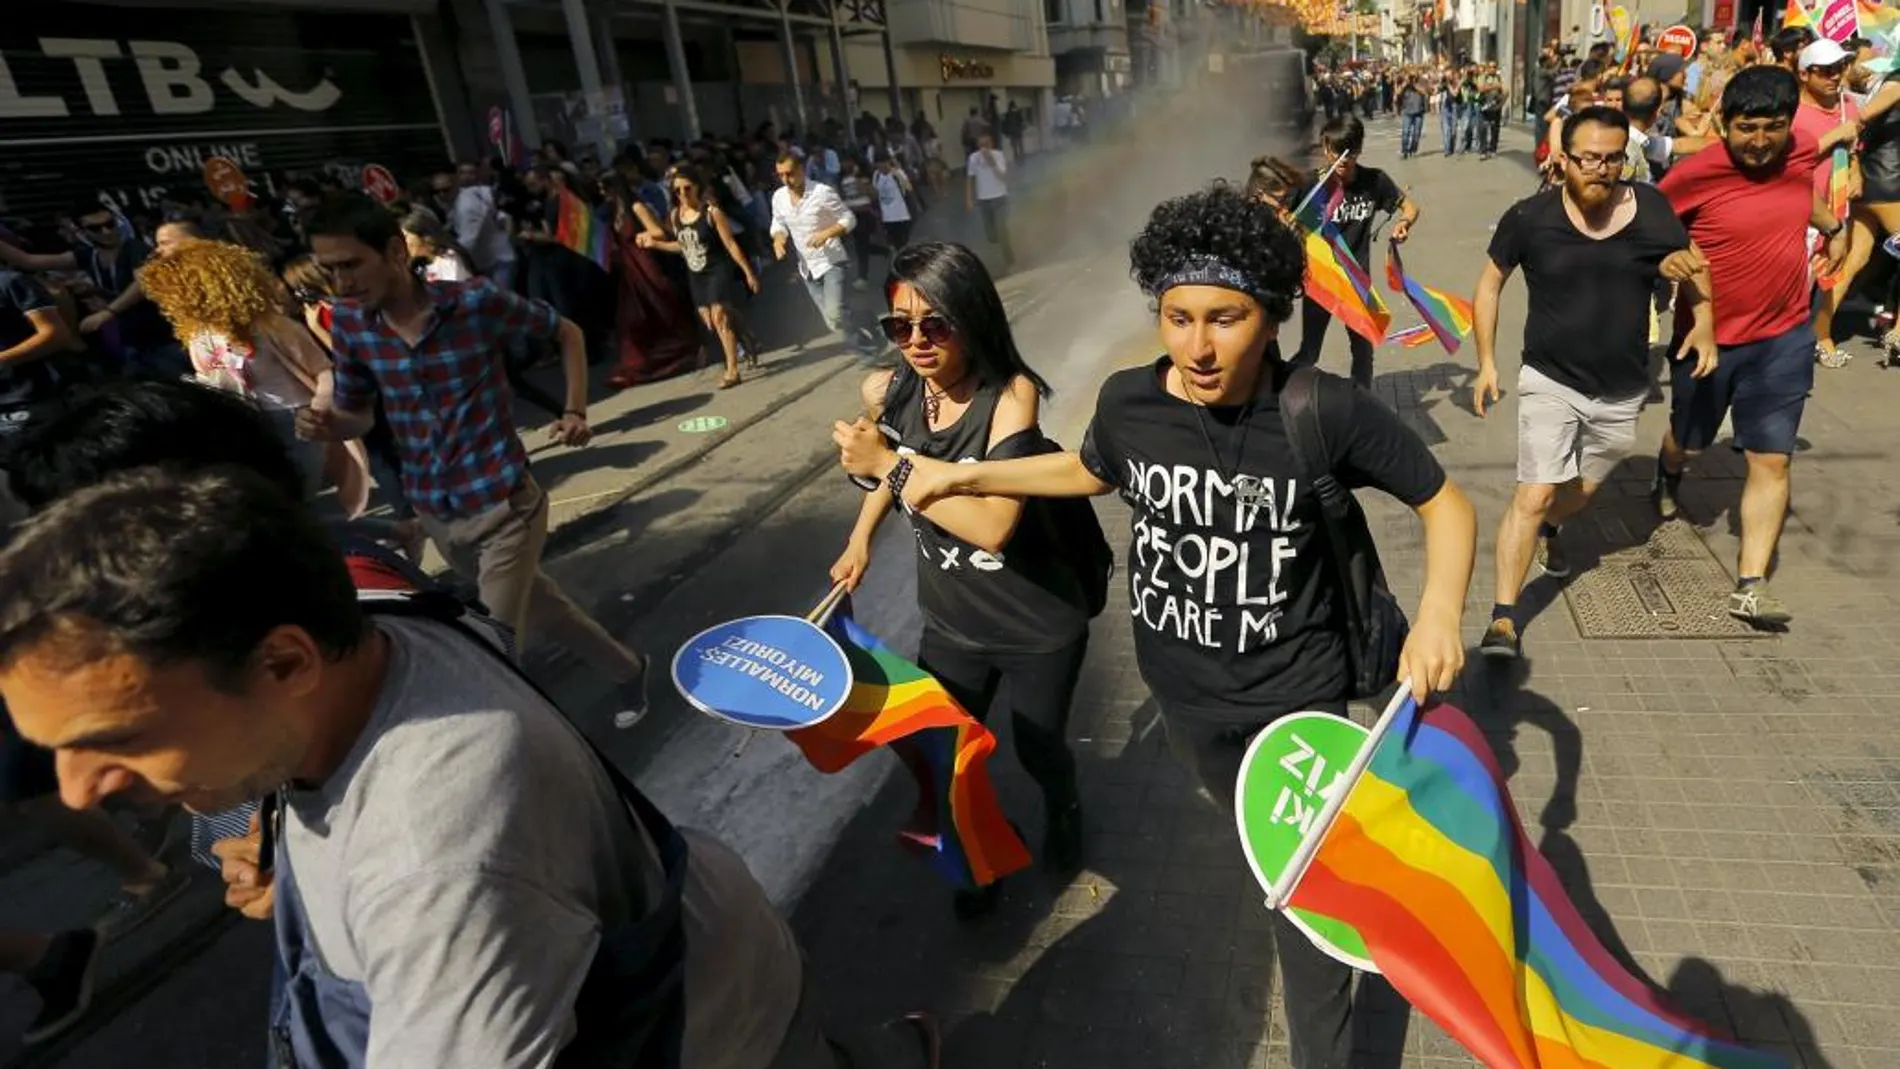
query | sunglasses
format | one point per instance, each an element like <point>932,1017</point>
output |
<point>902,330</point>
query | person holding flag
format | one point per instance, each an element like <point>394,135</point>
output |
<point>1195,441</point>
<point>1352,196</point>
<point>1592,251</point>
<point>1825,110</point>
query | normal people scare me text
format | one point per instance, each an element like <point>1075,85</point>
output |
<point>1189,574</point>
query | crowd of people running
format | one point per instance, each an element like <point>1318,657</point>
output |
<point>457,877</point>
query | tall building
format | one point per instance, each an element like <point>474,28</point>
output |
<point>1089,39</point>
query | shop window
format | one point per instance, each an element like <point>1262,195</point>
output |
<point>1052,12</point>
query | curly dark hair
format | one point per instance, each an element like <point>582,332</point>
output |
<point>1225,224</point>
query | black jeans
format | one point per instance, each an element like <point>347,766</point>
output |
<point>1316,989</point>
<point>1040,689</point>
<point>1314,319</point>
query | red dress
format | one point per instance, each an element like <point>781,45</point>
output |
<point>654,325</point>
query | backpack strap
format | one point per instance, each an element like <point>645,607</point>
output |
<point>1303,411</point>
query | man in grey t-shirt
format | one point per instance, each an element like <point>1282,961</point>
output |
<point>453,855</point>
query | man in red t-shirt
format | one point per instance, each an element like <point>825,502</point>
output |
<point>1825,109</point>
<point>1748,206</point>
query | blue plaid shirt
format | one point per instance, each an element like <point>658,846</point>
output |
<point>446,398</point>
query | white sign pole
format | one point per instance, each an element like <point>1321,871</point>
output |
<point>1303,857</point>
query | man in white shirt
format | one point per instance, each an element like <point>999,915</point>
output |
<point>988,188</point>
<point>481,228</point>
<point>813,218</point>
<point>892,185</point>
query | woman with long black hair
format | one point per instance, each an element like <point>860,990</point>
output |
<point>1004,601</point>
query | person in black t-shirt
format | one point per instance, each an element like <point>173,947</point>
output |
<point>1237,614</point>
<point>1366,192</point>
<point>1592,251</point>
<point>1003,605</point>
<point>31,331</point>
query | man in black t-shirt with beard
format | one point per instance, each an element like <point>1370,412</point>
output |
<point>1365,193</point>
<point>1592,251</point>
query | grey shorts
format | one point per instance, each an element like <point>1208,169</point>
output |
<point>1563,434</point>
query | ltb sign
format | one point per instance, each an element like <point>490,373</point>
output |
<point>174,79</point>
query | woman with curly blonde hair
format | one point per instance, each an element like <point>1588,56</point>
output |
<point>228,310</point>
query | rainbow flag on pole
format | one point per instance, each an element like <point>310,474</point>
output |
<point>1796,14</point>
<point>1447,314</point>
<point>1334,278</point>
<point>577,227</point>
<point>958,825</point>
<point>1424,856</point>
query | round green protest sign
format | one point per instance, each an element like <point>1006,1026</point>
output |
<point>1290,771</point>
<point>702,424</point>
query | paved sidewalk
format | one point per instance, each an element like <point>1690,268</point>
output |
<point>1725,811</point>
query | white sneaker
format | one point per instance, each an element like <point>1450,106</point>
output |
<point>633,695</point>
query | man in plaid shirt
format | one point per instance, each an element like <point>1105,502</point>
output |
<point>432,351</point>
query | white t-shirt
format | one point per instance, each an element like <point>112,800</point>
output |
<point>446,267</point>
<point>890,198</point>
<point>987,170</point>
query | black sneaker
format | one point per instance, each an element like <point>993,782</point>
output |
<point>1555,562</point>
<point>63,980</point>
<point>1062,839</point>
<point>1666,492</point>
<point>1501,640</point>
<point>979,902</point>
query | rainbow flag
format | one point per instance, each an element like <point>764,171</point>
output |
<point>958,825</point>
<point>1448,315</point>
<point>1877,23</point>
<point>1334,277</point>
<point>577,227</point>
<point>1428,861</point>
<point>1796,15</point>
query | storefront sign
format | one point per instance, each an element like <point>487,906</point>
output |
<point>226,182</point>
<point>379,183</point>
<point>774,672</point>
<point>957,69</point>
<point>127,103</point>
<point>1678,39</point>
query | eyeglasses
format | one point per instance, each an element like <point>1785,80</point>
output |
<point>903,330</point>
<point>1592,161</point>
<point>106,227</point>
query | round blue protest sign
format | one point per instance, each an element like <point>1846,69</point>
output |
<point>775,672</point>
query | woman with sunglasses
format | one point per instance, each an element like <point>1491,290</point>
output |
<point>701,233</point>
<point>1003,601</point>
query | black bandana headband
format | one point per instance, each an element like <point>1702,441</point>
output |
<point>1209,271</point>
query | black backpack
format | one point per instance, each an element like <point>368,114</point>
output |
<point>1375,625</point>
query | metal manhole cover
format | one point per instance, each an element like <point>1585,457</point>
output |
<point>1669,586</point>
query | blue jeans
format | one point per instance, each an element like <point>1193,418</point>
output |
<point>1469,119</point>
<point>1448,124</point>
<point>827,292</point>
<point>1411,128</point>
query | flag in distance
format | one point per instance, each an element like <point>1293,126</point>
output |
<point>577,227</point>
<point>1334,278</point>
<point>1427,860</point>
<point>1796,15</point>
<point>1448,315</point>
<point>958,826</point>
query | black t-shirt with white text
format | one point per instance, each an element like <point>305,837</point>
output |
<point>1588,322</point>
<point>1236,607</point>
<point>1370,192</point>
<point>28,382</point>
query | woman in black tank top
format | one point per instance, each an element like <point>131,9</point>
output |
<point>1002,604</point>
<point>701,233</point>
